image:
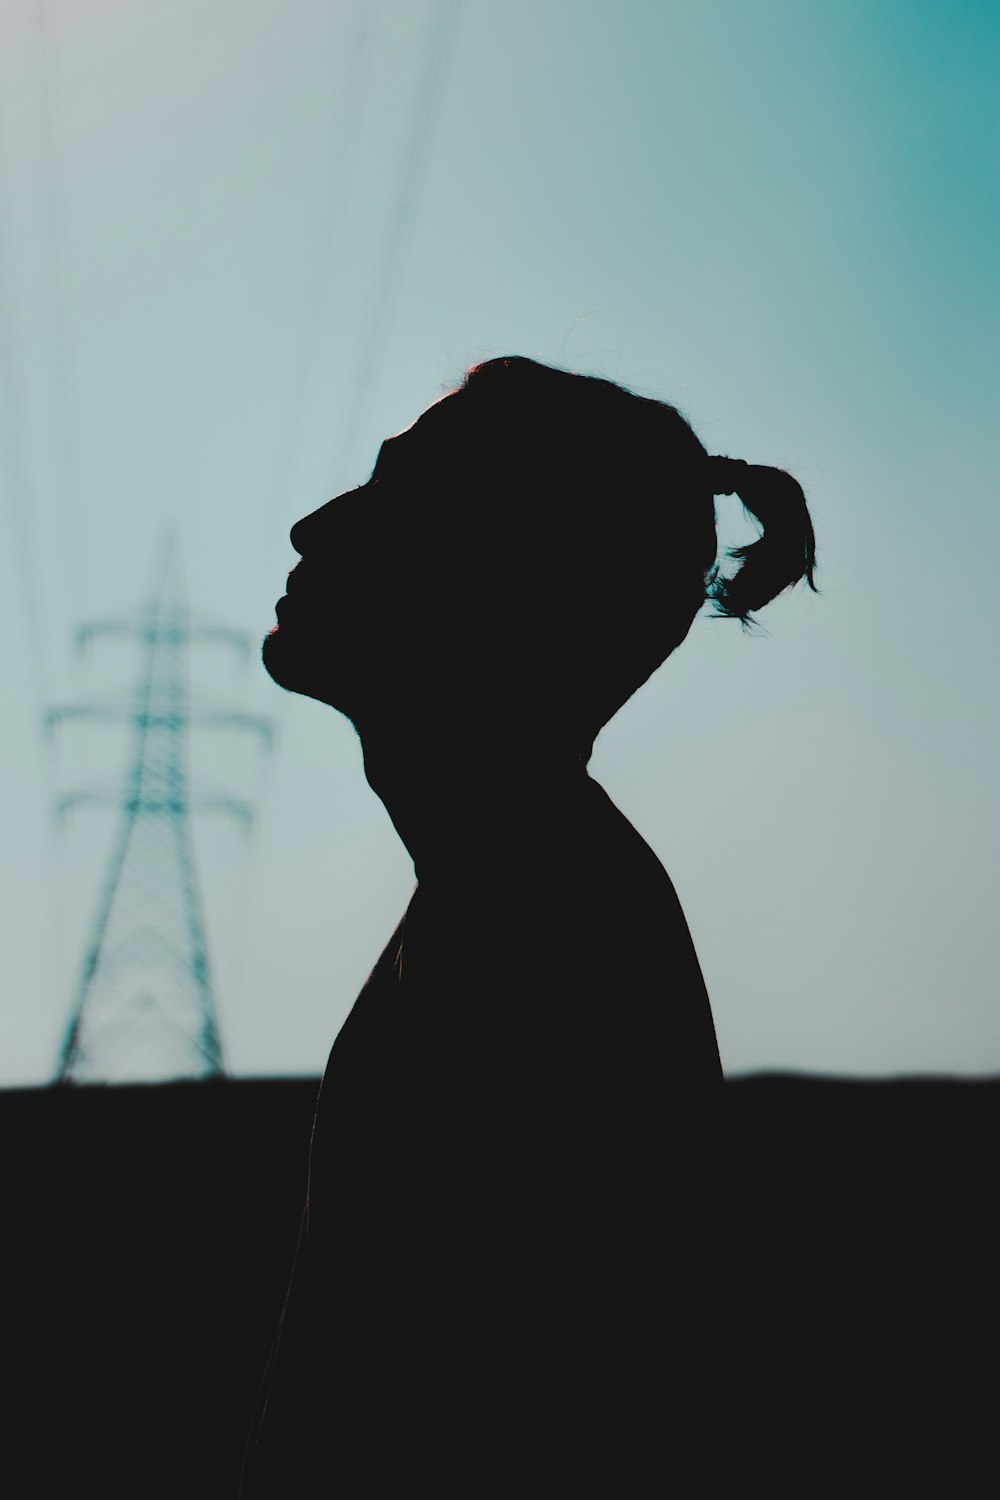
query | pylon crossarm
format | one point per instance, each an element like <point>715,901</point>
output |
<point>235,806</point>
<point>205,625</point>
<point>106,713</point>
<point>222,635</point>
<point>210,718</point>
<point>145,1007</point>
<point>69,800</point>
<point>178,631</point>
<point>218,703</point>
<point>121,627</point>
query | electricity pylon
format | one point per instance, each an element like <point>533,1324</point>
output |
<point>144,1010</point>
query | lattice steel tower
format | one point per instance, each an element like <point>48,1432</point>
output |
<point>144,1010</point>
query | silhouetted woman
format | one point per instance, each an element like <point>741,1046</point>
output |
<point>500,1273</point>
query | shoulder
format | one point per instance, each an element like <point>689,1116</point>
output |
<point>621,872</point>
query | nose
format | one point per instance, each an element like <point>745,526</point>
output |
<point>297,534</point>
<point>306,530</point>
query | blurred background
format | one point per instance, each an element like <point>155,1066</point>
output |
<point>241,241</point>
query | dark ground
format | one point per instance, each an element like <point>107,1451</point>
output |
<point>148,1234</point>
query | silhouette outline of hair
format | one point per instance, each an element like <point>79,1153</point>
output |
<point>633,465</point>
<point>783,554</point>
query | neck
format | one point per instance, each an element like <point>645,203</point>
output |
<point>472,806</point>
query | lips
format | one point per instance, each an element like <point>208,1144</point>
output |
<point>292,582</point>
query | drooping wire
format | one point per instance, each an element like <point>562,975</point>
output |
<point>429,96</point>
<point>326,288</point>
<point>325,282</point>
<point>54,193</point>
<point>325,291</point>
<point>16,481</point>
<point>18,507</point>
<point>439,56</point>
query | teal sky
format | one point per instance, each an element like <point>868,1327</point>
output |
<point>241,241</point>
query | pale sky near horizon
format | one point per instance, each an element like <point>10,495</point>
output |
<point>241,241</point>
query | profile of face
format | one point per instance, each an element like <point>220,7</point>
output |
<point>514,557</point>
<point>384,601</point>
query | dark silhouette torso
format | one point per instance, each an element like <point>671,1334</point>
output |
<point>499,1229</point>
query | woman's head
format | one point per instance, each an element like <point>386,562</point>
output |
<point>538,542</point>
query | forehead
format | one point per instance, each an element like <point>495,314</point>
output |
<point>429,441</point>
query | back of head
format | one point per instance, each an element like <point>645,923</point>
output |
<point>605,525</point>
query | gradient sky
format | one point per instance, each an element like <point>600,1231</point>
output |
<point>241,241</point>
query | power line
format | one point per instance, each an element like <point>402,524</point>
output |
<point>19,493</point>
<point>439,55</point>
<point>325,279</point>
<point>409,192</point>
<point>429,96</point>
<point>54,186</point>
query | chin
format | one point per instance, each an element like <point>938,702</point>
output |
<point>272,654</point>
<point>292,668</point>
<point>284,664</point>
